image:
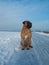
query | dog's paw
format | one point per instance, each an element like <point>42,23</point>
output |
<point>31,46</point>
<point>22,48</point>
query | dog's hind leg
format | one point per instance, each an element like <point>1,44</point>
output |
<point>29,43</point>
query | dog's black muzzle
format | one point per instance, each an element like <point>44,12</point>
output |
<point>29,25</point>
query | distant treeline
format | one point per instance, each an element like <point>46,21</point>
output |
<point>45,31</point>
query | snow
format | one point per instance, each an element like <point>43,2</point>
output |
<point>11,53</point>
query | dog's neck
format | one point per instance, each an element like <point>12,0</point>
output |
<point>25,27</point>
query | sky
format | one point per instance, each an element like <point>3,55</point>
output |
<point>14,12</point>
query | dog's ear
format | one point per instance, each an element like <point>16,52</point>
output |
<point>24,22</point>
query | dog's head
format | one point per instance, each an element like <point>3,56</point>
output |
<point>27,24</point>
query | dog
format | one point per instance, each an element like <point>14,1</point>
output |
<point>26,35</point>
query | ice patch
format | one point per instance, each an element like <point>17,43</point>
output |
<point>17,49</point>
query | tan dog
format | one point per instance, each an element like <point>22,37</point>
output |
<point>26,35</point>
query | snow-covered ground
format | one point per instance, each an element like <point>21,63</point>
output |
<point>11,53</point>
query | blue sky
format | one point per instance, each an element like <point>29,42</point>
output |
<point>14,12</point>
